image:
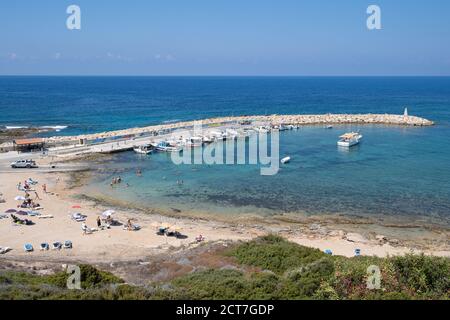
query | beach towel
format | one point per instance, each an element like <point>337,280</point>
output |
<point>28,247</point>
<point>45,216</point>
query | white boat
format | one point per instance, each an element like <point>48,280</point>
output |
<point>167,147</point>
<point>207,139</point>
<point>262,129</point>
<point>349,139</point>
<point>285,160</point>
<point>217,135</point>
<point>231,134</point>
<point>145,149</point>
<point>194,142</point>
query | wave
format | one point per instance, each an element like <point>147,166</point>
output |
<point>15,127</point>
<point>56,128</point>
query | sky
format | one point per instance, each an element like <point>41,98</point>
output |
<point>225,37</point>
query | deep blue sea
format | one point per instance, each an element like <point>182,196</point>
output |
<point>396,171</point>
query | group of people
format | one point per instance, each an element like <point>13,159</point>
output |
<point>116,180</point>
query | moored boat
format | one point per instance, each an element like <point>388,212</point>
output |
<point>145,149</point>
<point>349,139</point>
<point>285,160</point>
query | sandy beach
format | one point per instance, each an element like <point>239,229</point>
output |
<point>116,244</point>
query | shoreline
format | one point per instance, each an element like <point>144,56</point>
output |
<point>115,245</point>
<point>342,234</point>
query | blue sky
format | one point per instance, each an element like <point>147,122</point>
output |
<point>225,37</point>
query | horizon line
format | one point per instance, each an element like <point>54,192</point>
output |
<point>224,76</point>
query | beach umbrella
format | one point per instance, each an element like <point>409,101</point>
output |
<point>22,213</point>
<point>10,211</point>
<point>77,206</point>
<point>108,213</point>
<point>165,225</point>
<point>19,198</point>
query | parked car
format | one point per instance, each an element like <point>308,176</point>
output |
<point>24,164</point>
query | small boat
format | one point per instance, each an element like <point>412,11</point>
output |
<point>146,149</point>
<point>167,147</point>
<point>285,160</point>
<point>194,142</point>
<point>329,127</point>
<point>207,139</point>
<point>349,139</point>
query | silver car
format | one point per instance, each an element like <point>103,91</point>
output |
<point>24,164</point>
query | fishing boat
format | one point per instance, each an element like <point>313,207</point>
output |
<point>285,160</point>
<point>349,139</point>
<point>165,146</point>
<point>145,149</point>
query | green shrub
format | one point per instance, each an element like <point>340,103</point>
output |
<point>423,274</point>
<point>275,254</point>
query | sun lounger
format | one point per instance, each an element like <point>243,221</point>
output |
<point>44,246</point>
<point>328,251</point>
<point>33,213</point>
<point>78,217</point>
<point>28,247</point>
<point>86,229</point>
<point>357,252</point>
<point>56,245</point>
<point>67,244</point>
<point>31,181</point>
<point>4,250</point>
<point>133,227</point>
<point>45,216</point>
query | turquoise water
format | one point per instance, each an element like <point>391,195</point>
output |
<point>396,171</point>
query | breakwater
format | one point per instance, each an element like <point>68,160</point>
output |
<point>387,119</point>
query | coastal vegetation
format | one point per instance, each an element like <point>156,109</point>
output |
<point>268,267</point>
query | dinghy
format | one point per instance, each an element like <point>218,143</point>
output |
<point>285,160</point>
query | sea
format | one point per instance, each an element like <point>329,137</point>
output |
<point>401,172</point>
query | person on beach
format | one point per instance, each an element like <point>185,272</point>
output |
<point>44,188</point>
<point>36,196</point>
<point>19,186</point>
<point>99,222</point>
